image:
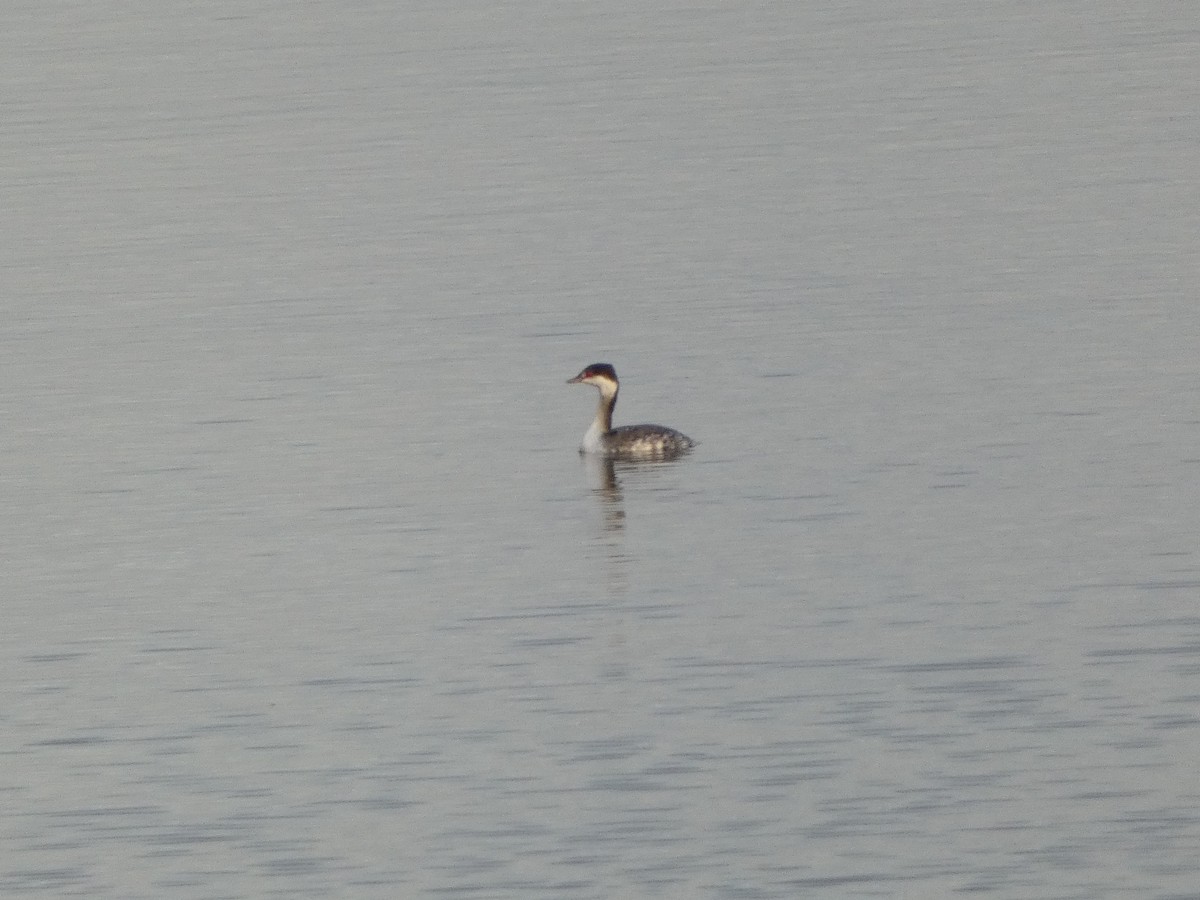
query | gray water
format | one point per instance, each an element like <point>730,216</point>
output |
<point>306,591</point>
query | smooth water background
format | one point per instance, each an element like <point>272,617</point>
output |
<point>305,591</point>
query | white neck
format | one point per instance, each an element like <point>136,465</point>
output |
<point>602,424</point>
<point>592,437</point>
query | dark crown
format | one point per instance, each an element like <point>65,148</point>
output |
<point>603,370</point>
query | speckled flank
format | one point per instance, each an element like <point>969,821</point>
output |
<point>646,441</point>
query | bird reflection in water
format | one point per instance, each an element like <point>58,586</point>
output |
<point>608,478</point>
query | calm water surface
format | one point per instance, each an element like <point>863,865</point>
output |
<point>306,591</point>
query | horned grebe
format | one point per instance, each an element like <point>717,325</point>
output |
<point>628,441</point>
